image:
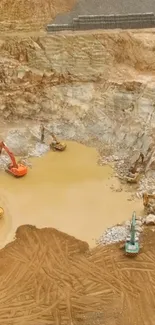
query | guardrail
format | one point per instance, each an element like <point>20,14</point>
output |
<point>84,22</point>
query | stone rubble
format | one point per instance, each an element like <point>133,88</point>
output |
<point>38,150</point>
<point>24,144</point>
<point>113,235</point>
<point>120,232</point>
<point>150,219</point>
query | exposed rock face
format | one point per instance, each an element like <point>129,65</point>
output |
<point>100,85</point>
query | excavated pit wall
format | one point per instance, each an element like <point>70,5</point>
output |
<point>94,88</point>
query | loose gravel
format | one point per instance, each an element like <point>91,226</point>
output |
<point>113,235</point>
<point>122,232</point>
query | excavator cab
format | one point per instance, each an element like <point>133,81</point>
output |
<point>132,246</point>
<point>57,146</point>
<point>14,168</point>
<point>19,171</point>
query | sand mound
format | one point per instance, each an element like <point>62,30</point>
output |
<point>48,277</point>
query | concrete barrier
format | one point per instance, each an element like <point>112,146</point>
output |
<point>113,25</point>
<point>83,22</point>
<point>146,14</point>
<point>116,17</point>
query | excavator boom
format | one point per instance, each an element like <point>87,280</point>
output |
<point>17,170</point>
<point>10,154</point>
<point>132,246</point>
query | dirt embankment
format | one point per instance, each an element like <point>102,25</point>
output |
<point>30,15</point>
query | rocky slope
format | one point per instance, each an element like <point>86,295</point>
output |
<point>97,88</point>
<point>101,84</point>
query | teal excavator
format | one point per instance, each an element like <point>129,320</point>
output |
<point>132,246</point>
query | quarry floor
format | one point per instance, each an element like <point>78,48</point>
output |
<point>49,277</point>
<point>53,273</point>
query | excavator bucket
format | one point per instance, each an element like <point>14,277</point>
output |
<point>20,171</point>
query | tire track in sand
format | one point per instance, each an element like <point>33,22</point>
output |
<point>57,283</point>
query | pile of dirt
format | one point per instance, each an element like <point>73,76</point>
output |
<point>48,277</point>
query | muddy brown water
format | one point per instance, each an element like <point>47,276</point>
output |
<point>65,190</point>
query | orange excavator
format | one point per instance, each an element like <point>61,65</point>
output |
<point>14,168</point>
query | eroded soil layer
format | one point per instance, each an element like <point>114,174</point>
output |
<point>48,277</point>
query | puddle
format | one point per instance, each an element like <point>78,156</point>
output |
<point>65,190</point>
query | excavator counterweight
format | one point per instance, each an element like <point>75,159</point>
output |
<point>15,169</point>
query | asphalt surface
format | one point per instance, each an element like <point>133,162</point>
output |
<point>105,7</point>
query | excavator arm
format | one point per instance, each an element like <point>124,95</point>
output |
<point>133,169</point>
<point>42,129</point>
<point>54,138</point>
<point>10,154</point>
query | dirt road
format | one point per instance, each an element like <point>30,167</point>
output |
<point>48,278</point>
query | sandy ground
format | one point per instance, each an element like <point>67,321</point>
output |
<point>48,277</point>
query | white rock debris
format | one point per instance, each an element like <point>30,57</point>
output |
<point>38,150</point>
<point>21,143</point>
<point>150,219</point>
<point>121,232</point>
<point>114,235</point>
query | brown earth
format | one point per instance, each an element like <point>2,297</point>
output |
<point>98,86</point>
<point>48,277</point>
<point>30,14</point>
